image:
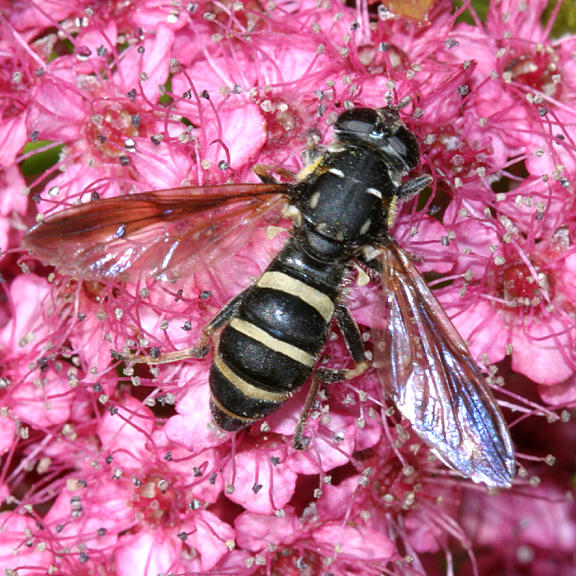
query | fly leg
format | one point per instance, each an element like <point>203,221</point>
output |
<point>355,346</point>
<point>264,172</point>
<point>414,186</point>
<point>198,351</point>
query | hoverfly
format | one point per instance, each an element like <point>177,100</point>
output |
<point>273,333</point>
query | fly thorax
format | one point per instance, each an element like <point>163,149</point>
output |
<point>346,202</point>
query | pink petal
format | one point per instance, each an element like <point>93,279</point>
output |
<point>257,532</point>
<point>7,434</point>
<point>359,543</point>
<point>562,394</point>
<point>58,109</point>
<point>191,427</point>
<point>211,538</point>
<point>13,136</point>
<point>246,120</point>
<point>20,551</point>
<point>262,480</point>
<point>43,404</point>
<point>539,351</point>
<point>105,505</point>
<point>147,553</point>
<point>125,433</point>
<point>151,70</point>
<point>479,323</point>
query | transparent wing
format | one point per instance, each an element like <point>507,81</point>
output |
<point>161,234</point>
<point>435,383</point>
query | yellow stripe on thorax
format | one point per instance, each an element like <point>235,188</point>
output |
<point>310,169</point>
<point>392,211</point>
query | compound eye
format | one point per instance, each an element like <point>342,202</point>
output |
<point>357,124</point>
<point>405,146</point>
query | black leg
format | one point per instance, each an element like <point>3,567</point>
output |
<point>353,340</point>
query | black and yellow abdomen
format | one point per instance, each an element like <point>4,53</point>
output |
<point>271,344</point>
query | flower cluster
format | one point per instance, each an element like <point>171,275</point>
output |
<point>108,469</point>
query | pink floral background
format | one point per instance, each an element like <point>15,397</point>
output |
<point>104,471</point>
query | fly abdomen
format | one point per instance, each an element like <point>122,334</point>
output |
<point>271,344</point>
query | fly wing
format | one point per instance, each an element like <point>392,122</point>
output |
<point>161,234</point>
<point>434,381</point>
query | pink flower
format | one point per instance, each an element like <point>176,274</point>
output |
<point>519,300</point>
<point>35,390</point>
<point>115,467</point>
<point>18,79</point>
<point>23,555</point>
<point>535,535</point>
<point>291,544</point>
